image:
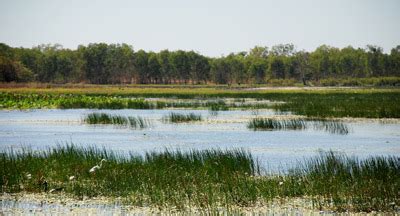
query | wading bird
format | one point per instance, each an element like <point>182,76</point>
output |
<point>93,169</point>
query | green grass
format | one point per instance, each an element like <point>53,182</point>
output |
<point>337,180</point>
<point>328,125</point>
<point>363,103</point>
<point>174,117</point>
<point>104,118</point>
<point>373,105</point>
<point>276,124</point>
<point>205,179</point>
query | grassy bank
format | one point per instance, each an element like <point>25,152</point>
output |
<point>205,179</point>
<point>367,103</point>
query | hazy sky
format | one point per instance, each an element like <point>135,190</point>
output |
<point>210,27</point>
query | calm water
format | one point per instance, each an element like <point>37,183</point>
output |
<point>277,150</point>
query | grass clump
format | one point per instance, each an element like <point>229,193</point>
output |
<point>276,124</point>
<point>205,179</point>
<point>138,122</point>
<point>104,118</point>
<point>174,117</point>
<point>328,125</point>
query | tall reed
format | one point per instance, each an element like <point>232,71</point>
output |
<point>104,118</point>
<point>174,117</point>
<point>206,179</point>
<point>328,125</point>
<point>276,124</point>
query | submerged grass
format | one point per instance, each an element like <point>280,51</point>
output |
<point>104,118</point>
<point>205,179</point>
<point>328,125</point>
<point>174,117</point>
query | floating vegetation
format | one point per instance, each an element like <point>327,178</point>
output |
<point>328,125</point>
<point>205,179</point>
<point>179,117</point>
<point>104,118</point>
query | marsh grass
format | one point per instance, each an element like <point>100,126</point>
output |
<point>105,118</point>
<point>204,179</point>
<point>328,125</point>
<point>276,124</point>
<point>174,117</point>
<point>324,103</point>
<point>337,180</point>
<point>138,122</point>
<point>169,178</point>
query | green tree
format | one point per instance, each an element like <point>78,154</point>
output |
<point>154,68</point>
<point>140,62</point>
<point>375,60</point>
<point>165,66</point>
<point>220,71</point>
<point>95,56</point>
<point>258,70</point>
<point>200,68</point>
<point>180,62</point>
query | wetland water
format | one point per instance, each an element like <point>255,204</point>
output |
<point>276,150</point>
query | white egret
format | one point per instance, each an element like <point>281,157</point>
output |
<point>72,178</point>
<point>93,169</point>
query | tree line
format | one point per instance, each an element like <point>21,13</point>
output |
<point>101,63</point>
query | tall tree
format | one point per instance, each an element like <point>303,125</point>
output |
<point>141,66</point>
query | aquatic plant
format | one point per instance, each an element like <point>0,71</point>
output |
<point>174,117</point>
<point>325,103</point>
<point>105,118</point>
<point>205,179</point>
<point>138,122</point>
<point>219,105</point>
<point>347,183</point>
<point>276,124</point>
<point>330,125</point>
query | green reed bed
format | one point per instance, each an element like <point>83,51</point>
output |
<point>105,118</point>
<point>174,117</point>
<point>347,183</point>
<point>205,179</point>
<point>364,103</point>
<point>328,125</point>
<point>169,178</point>
<point>342,104</point>
<point>276,124</point>
<point>72,101</point>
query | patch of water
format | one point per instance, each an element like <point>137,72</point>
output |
<point>276,150</point>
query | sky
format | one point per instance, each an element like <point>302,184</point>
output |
<point>210,27</point>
